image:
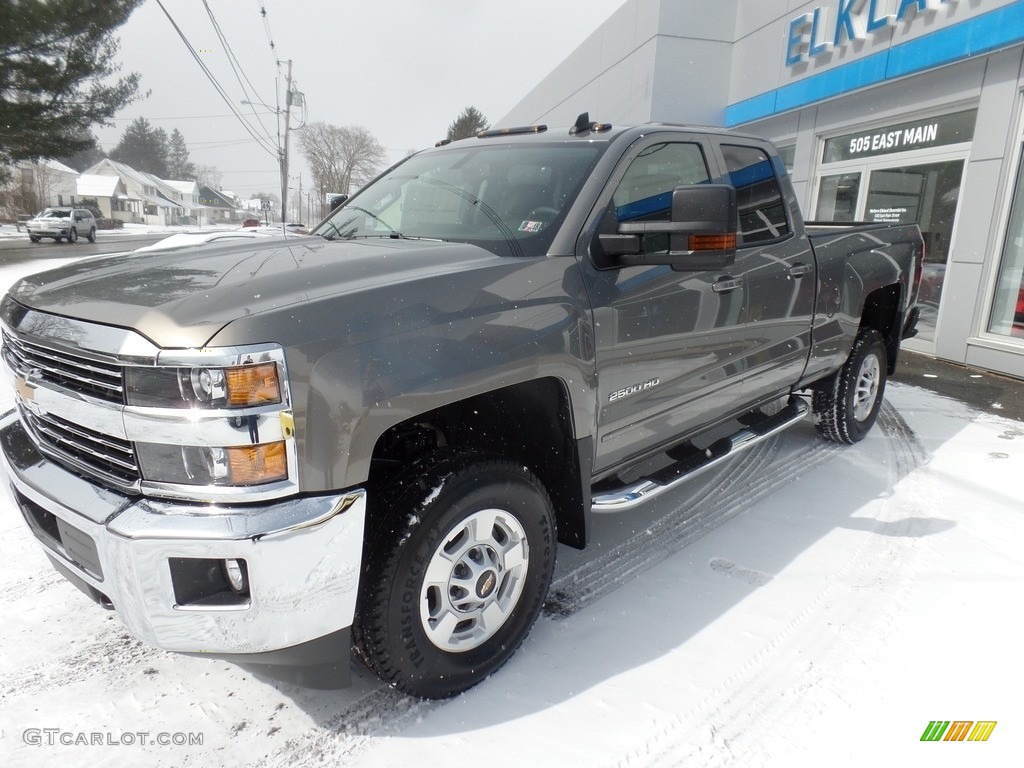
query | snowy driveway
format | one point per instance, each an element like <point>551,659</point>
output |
<point>806,604</point>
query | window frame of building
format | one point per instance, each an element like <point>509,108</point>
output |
<point>1011,214</point>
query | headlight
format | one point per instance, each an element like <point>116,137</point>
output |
<point>244,465</point>
<point>243,386</point>
<point>212,422</point>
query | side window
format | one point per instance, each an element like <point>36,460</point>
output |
<point>761,206</point>
<point>645,192</point>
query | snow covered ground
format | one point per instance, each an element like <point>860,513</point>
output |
<point>805,605</point>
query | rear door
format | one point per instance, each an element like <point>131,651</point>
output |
<point>777,266</point>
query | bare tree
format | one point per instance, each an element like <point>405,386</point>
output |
<point>33,186</point>
<point>340,157</point>
<point>209,176</point>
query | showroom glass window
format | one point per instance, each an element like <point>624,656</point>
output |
<point>1007,318</point>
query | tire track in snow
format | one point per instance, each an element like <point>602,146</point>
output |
<point>32,585</point>
<point>731,723</point>
<point>350,732</point>
<point>116,658</point>
<point>728,494</point>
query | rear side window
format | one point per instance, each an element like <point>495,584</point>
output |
<point>762,209</point>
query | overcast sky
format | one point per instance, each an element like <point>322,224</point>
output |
<point>404,69</point>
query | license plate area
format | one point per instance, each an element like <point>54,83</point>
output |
<point>74,545</point>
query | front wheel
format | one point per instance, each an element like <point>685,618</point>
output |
<point>73,235</point>
<point>456,575</point>
<point>846,406</point>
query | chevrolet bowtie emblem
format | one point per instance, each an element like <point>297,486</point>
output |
<point>25,387</point>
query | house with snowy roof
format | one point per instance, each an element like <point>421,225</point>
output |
<point>161,202</point>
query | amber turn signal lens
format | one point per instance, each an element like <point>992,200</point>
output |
<point>253,385</point>
<point>725,242</point>
<point>257,464</point>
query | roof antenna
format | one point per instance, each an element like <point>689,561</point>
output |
<point>582,124</point>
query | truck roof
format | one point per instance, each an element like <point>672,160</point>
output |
<point>584,129</point>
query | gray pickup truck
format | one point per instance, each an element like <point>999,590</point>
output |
<point>376,436</point>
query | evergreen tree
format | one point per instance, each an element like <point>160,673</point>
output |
<point>179,166</point>
<point>56,61</point>
<point>83,158</point>
<point>143,147</point>
<point>467,124</point>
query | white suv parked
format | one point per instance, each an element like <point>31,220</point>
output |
<point>60,223</point>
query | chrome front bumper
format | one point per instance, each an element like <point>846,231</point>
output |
<point>302,556</point>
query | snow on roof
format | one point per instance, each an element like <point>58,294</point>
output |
<point>56,166</point>
<point>185,187</point>
<point>94,185</point>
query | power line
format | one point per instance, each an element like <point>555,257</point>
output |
<point>266,28</point>
<point>263,142</point>
<point>239,72</point>
<point>179,117</point>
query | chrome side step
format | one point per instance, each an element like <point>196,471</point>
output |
<point>692,461</point>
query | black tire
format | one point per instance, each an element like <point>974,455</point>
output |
<point>57,239</point>
<point>91,237</point>
<point>846,406</point>
<point>34,239</point>
<point>462,535</point>
<point>73,236</point>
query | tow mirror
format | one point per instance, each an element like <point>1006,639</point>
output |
<point>701,233</point>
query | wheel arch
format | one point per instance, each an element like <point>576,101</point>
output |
<point>529,422</point>
<point>882,311</point>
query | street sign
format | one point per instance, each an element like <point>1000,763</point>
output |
<point>264,205</point>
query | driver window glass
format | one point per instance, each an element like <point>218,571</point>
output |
<point>645,192</point>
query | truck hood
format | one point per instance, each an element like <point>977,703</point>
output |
<point>181,298</point>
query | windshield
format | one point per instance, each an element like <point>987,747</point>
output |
<point>55,213</point>
<point>508,199</point>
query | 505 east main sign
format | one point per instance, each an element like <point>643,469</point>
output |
<point>813,34</point>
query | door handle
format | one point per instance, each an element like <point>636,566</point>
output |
<point>726,284</point>
<point>799,269</point>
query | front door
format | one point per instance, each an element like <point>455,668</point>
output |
<point>668,343</point>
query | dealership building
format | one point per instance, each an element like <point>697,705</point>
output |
<point>884,110</point>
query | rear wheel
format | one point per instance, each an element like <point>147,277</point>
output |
<point>91,237</point>
<point>456,575</point>
<point>846,406</point>
<point>34,239</point>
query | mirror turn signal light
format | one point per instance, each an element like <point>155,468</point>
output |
<point>723,242</point>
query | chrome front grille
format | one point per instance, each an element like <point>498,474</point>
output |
<point>104,381</point>
<point>86,450</point>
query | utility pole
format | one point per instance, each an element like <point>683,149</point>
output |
<point>284,150</point>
